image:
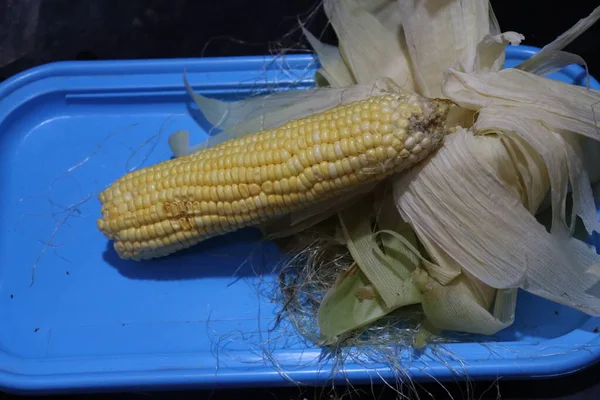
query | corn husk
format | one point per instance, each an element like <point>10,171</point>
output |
<point>462,305</point>
<point>333,69</point>
<point>349,305</point>
<point>489,56</point>
<point>393,249</point>
<point>551,62</point>
<point>560,105</point>
<point>386,11</point>
<point>236,119</point>
<point>364,39</point>
<point>550,57</point>
<point>465,235</point>
<point>379,282</point>
<point>513,165</point>
<point>440,34</point>
<point>506,246</point>
<point>387,277</point>
<point>312,215</point>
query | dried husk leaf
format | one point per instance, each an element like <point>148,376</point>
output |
<point>532,180</point>
<point>333,67</point>
<point>179,143</point>
<point>563,107</point>
<point>441,34</point>
<point>584,204</point>
<point>386,11</point>
<point>298,221</point>
<point>561,42</point>
<point>239,118</point>
<point>494,24</point>
<point>552,61</point>
<point>545,142</point>
<point>457,195</point>
<point>560,105</point>
<point>370,49</point>
<point>490,55</point>
<point>562,157</point>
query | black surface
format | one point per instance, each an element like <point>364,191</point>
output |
<point>50,30</point>
<point>35,32</point>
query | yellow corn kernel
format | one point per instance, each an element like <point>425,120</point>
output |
<point>155,211</point>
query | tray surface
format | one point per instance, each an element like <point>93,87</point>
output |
<point>75,316</point>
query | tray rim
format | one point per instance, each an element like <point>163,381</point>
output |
<point>547,366</point>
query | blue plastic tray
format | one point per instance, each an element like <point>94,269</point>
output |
<point>76,317</point>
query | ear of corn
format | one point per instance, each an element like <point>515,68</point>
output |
<point>175,204</point>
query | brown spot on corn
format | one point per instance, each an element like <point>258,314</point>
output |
<point>175,204</point>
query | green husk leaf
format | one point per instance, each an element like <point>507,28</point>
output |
<point>444,273</point>
<point>356,300</point>
<point>424,333</point>
<point>505,305</point>
<point>387,279</point>
<point>463,305</point>
<point>387,218</point>
<point>341,311</point>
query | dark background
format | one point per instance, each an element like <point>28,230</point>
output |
<point>34,32</point>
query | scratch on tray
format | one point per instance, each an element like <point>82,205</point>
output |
<point>48,342</point>
<point>73,209</point>
<point>98,147</point>
<point>154,139</point>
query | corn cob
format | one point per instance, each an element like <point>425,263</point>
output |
<point>175,204</point>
